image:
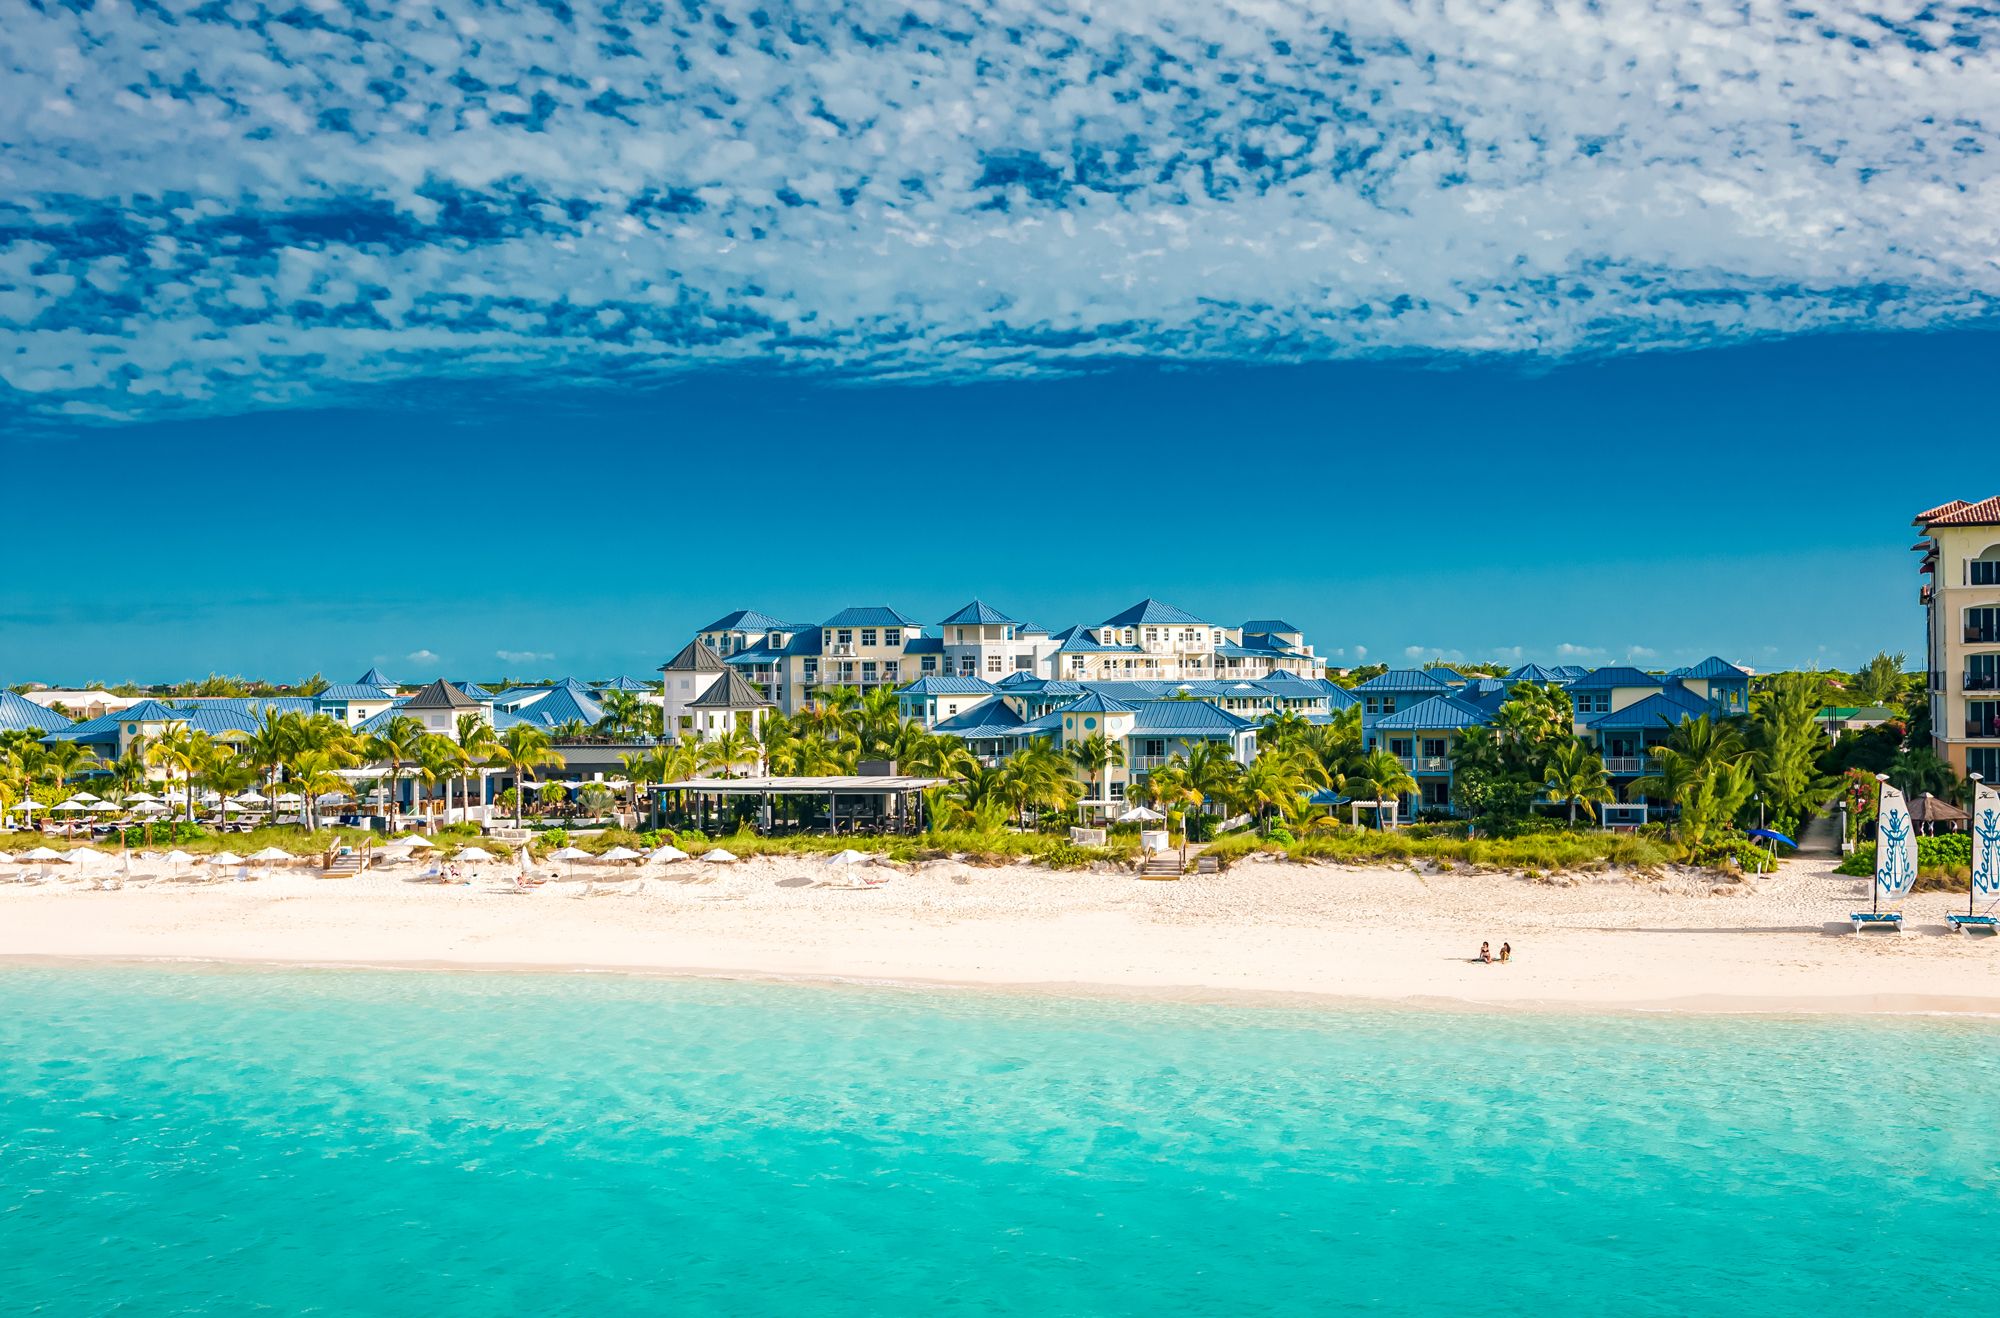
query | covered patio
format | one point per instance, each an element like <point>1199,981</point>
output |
<point>846,803</point>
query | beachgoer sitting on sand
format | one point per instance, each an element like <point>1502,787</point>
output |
<point>1506,953</point>
<point>1486,953</point>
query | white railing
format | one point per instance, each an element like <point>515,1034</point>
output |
<point>1144,762</point>
<point>1625,764</point>
<point>838,649</point>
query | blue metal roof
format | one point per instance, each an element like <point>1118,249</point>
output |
<point>1184,718</point>
<point>749,620</point>
<point>374,677</point>
<point>623,684</point>
<point>91,732</point>
<point>1603,679</point>
<point>1078,640</point>
<point>756,656</point>
<point>947,684</point>
<point>806,642</point>
<point>19,714</point>
<point>870,615</point>
<point>340,691</point>
<point>1535,673</point>
<point>923,645</point>
<point>1569,671</point>
<point>1150,612</point>
<point>1445,674</point>
<point>1709,668</point>
<point>1096,702</point>
<point>1438,714</point>
<point>1661,709</point>
<point>987,719</point>
<point>1269,627</point>
<point>1403,679</point>
<point>1019,677</point>
<point>978,613</point>
<point>562,705</point>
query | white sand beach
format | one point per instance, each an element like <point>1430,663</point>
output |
<point>1609,940</point>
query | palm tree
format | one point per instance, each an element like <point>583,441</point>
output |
<point>733,748</point>
<point>396,741</point>
<point>621,713</point>
<point>1094,754</point>
<point>1276,780</point>
<point>1212,771</point>
<point>522,749</point>
<point>1382,776</point>
<point>64,760</point>
<point>312,776</point>
<point>439,760</point>
<point>1575,774</point>
<point>476,739</point>
<point>175,748</point>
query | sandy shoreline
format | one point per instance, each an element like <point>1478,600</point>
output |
<point>1268,933</point>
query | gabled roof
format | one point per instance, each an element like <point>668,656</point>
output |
<point>1438,714</point>
<point>374,677</point>
<point>19,714</point>
<point>622,683</point>
<point>97,731</point>
<point>1569,671</point>
<point>1614,675</point>
<point>1019,677</point>
<point>805,642</point>
<point>1095,702</point>
<point>1960,513</point>
<point>1444,674</point>
<point>749,620</point>
<point>473,689</point>
<point>1149,612</point>
<point>1661,709</point>
<point>1708,668</point>
<point>1535,673</point>
<point>1184,718</point>
<point>729,691</point>
<point>985,720</point>
<point>559,705</point>
<point>946,684</point>
<point>695,657</point>
<point>1403,679</point>
<point>353,691</point>
<point>374,723</point>
<point>153,711</point>
<point>1268,627</point>
<point>870,615</point>
<point>441,695</point>
<point>978,613</point>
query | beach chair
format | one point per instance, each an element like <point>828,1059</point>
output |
<point>1890,920</point>
<point>1974,924</point>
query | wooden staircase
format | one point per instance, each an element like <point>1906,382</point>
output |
<point>341,865</point>
<point>1162,865</point>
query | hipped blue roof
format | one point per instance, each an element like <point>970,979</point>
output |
<point>1403,679</point>
<point>1096,702</point>
<point>1151,612</point>
<point>19,714</point>
<point>1710,668</point>
<point>978,613</point>
<point>946,684</point>
<point>748,620</point>
<point>1661,709</point>
<point>1603,679</point>
<point>1269,627</point>
<point>1184,718</point>
<point>352,691</point>
<point>374,677</point>
<point>985,720</point>
<point>870,615</point>
<point>1438,714</point>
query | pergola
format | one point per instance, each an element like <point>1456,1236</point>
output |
<point>887,803</point>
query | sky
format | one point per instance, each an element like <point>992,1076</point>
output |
<point>471,339</point>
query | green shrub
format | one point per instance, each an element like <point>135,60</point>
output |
<point>1937,857</point>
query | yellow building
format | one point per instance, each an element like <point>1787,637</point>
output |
<point>1961,549</point>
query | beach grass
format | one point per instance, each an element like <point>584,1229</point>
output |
<point>1547,851</point>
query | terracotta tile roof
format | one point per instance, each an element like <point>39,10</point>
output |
<point>1960,513</point>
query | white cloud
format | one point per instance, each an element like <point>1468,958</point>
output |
<point>421,657</point>
<point>1568,651</point>
<point>216,216</point>
<point>1642,652</point>
<point>523,656</point>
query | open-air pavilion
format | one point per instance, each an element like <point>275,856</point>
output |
<point>845,803</point>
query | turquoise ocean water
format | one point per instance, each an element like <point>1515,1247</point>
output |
<point>224,1141</point>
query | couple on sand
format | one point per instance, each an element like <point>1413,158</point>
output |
<point>1486,953</point>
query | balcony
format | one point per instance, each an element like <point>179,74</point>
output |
<point>1425,763</point>
<point>1982,635</point>
<point>1982,681</point>
<point>1983,729</point>
<point>1141,763</point>
<point>837,650</point>
<point>1627,765</point>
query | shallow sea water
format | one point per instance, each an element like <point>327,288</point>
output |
<point>198,1140</point>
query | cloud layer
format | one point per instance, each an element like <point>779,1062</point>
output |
<point>233,204</point>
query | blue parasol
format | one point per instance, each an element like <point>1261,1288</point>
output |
<point>1775,837</point>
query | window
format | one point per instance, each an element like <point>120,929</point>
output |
<point>1984,571</point>
<point>892,670</point>
<point>966,664</point>
<point>811,667</point>
<point>868,636</point>
<point>992,663</point>
<point>1984,761</point>
<point>1982,626</point>
<point>929,664</point>
<point>868,670</point>
<point>1117,791</point>
<point>1982,718</point>
<point>1399,747</point>
<point>1592,702</point>
<point>1433,748</point>
<point>844,636</point>
<point>1982,672</point>
<point>1023,662</point>
<point>892,636</point>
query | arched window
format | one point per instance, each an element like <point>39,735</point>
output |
<point>1984,570</point>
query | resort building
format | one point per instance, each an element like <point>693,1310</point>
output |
<point>1960,545</point>
<point>83,704</point>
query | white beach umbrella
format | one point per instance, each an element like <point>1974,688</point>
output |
<point>718,857</point>
<point>414,841</point>
<point>149,808</point>
<point>44,853</point>
<point>141,798</point>
<point>28,807</point>
<point>7,858</point>
<point>85,796</point>
<point>71,807</point>
<point>177,857</point>
<point>271,853</point>
<point>619,853</point>
<point>291,798</point>
<point>109,807</point>
<point>1140,814</point>
<point>251,798</point>
<point>473,853</point>
<point>569,853</point>
<point>665,853</point>
<point>847,857</point>
<point>225,858</point>
<point>236,807</point>
<point>86,855</point>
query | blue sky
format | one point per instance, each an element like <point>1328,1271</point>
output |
<point>525,336</point>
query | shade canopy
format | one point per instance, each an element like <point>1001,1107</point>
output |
<point>1771,835</point>
<point>620,853</point>
<point>665,853</point>
<point>225,858</point>
<point>718,856</point>
<point>271,853</point>
<point>44,853</point>
<point>847,857</point>
<point>570,853</point>
<point>1929,809</point>
<point>1140,814</point>
<point>473,853</point>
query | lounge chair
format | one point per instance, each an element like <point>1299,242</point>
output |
<point>1890,920</point>
<point>1974,924</point>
